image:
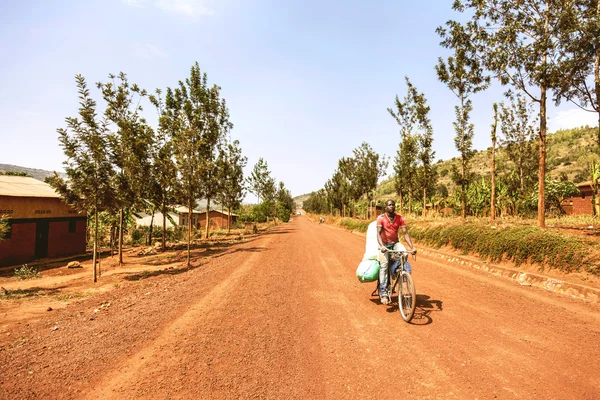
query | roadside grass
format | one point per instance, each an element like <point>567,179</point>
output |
<point>516,240</point>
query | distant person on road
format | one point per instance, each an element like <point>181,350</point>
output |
<point>388,225</point>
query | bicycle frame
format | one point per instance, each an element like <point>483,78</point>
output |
<point>397,275</point>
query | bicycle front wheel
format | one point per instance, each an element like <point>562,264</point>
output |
<point>407,296</point>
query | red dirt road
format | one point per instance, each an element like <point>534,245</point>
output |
<point>283,317</point>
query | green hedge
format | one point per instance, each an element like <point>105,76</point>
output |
<point>519,244</point>
<point>354,225</point>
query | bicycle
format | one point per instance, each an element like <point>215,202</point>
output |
<point>400,276</point>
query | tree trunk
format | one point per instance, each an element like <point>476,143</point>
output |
<point>542,161</point>
<point>400,200</point>
<point>493,166</point>
<point>121,236</point>
<point>190,225</point>
<point>228,220</point>
<point>207,217</point>
<point>150,231</point>
<point>597,80</point>
<point>164,232</point>
<point>424,201</point>
<point>463,190</point>
<point>94,251</point>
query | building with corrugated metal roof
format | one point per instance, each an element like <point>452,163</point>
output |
<point>40,224</point>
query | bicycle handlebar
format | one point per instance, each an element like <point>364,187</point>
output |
<point>403,251</point>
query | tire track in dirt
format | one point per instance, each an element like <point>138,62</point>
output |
<point>131,376</point>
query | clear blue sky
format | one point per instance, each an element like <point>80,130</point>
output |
<point>306,81</point>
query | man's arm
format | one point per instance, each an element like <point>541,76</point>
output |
<point>379,240</point>
<point>407,237</point>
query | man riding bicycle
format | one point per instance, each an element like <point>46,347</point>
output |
<point>388,225</point>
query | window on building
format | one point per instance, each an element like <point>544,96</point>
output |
<point>72,226</point>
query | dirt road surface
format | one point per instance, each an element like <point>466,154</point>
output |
<point>283,317</point>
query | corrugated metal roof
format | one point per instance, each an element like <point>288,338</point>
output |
<point>21,186</point>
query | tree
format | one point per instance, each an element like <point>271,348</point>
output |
<point>285,203</point>
<point>367,170</point>
<point>88,168</point>
<point>493,163</point>
<point>519,135</point>
<point>406,156</point>
<point>187,117</point>
<point>129,146</point>
<point>517,40</point>
<point>316,202</point>
<point>231,175</point>
<point>463,74</point>
<point>163,172</point>
<point>261,184</point>
<point>337,190</point>
<point>426,174</point>
<point>215,135</point>
<point>556,192</point>
<point>580,58</point>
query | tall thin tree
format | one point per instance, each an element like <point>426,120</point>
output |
<point>464,75</point>
<point>518,42</point>
<point>88,168</point>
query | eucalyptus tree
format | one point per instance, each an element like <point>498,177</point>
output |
<point>518,41</point>
<point>518,130</point>
<point>215,137</point>
<point>317,202</point>
<point>337,190</point>
<point>347,169</point>
<point>85,142</point>
<point>188,120</point>
<point>494,138</point>
<point>406,156</point>
<point>463,73</point>
<point>285,203</point>
<point>163,172</point>
<point>262,184</point>
<point>231,166</point>
<point>130,145</point>
<point>367,169</point>
<point>426,174</point>
<point>580,58</point>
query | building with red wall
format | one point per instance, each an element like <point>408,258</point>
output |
<point>40,224</point>
<point>582,204</point>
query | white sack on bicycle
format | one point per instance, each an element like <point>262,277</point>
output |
<point>368,269</point>
<point>372,245</point>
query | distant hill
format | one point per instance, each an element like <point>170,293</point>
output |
<point>39,174</point>
<point>300,199</point>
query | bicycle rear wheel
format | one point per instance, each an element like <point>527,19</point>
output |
<point>407,296</point>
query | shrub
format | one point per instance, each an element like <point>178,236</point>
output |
<point>26,272</point>
<point>355,225</point>
<point>518,244</point>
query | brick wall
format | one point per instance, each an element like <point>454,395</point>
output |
<point>20,247</point>
<point>61,242</point>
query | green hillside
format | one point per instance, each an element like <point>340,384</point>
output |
<point>569,152</point>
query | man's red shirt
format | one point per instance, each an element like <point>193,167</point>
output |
<point>389,231</point>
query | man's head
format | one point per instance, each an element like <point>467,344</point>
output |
<point>390,207</point>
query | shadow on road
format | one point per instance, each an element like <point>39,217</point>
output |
<point>425,306</point>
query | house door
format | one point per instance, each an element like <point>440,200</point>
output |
<point>41,239</point>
